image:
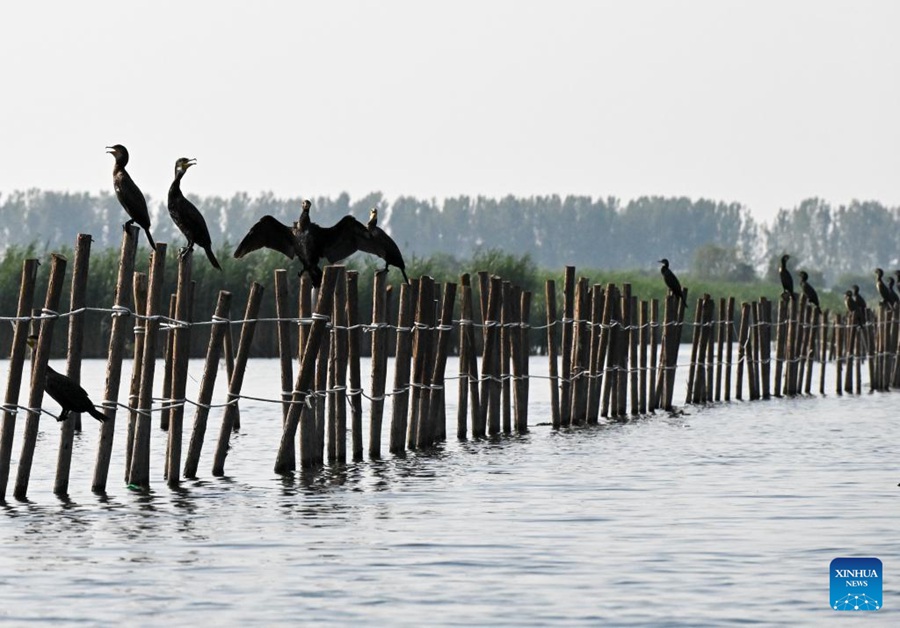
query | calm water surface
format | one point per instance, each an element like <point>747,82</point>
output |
<point>727,514</point>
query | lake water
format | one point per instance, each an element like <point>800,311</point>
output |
<point>728,514</point>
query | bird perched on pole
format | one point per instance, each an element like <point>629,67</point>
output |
<point>888,296</point>
<point>808,290</point>
<point>310,242</point>
<point>672,281</point>
<point>787,282</point>
<point>67,393</point>
<point>128,193</point>
<point>187,217</point>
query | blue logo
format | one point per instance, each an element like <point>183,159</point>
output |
<point>856,584</point>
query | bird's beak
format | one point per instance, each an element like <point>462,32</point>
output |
<point>110,150</point>
<point>190,162</point>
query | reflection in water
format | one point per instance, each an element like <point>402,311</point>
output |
<point>700,519</point>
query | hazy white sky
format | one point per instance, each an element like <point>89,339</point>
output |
<point>765,103</point>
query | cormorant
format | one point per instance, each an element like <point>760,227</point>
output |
<point>787,282</point>
<point>131,198</point>
<point>310,242</point>
<point>69,395</point>
<point>187,217</point>
<point>808,290</point>
<point>672,281</point>
<point>888,297</point>
<point>860,306</point>
<point>381,244</point>
<point>850,302</point>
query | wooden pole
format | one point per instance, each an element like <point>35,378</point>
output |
<point>140,288</point>
<point>285,354</point>
<point>634,338</point>
<point>236,382</point>
<point>120,320</point>
<point>522,387</point>
<point>354,338</point>
<point>594,362</point>
<point>181,349</point>
<point>39,373</point>
<point>695,346</point>
<point>765,349</point>
<point>505,349</point>
<point>445,333</point>
<point>16,364</point>
<point>73,362</point>
<point>168,365</point>
<point>207,384</point>
<point>654,342</point>
<point>420,349</point>
<point>139,470</point>
<point>337,394</point>
<point>465,347</point>
<point>402,351</point>
<point>567,333</point>
<point>283,463</point>
<point>379,362</point>
<point>743,334</point>
<point>491,359</point>
<point>729,341</point>
<point>550,295</point>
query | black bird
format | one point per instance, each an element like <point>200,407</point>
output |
<point>787,282</point>
<point>672,281</point>
<point>381,244</point>
<point>187,217</point>
<point>808,290</point>
<point>891,284</point>
<point>850,302</point>
<point>310,242</point>
<point>888,297</point>
<point>131,198</point>
<point>860,306</point>
<point>69,395</point>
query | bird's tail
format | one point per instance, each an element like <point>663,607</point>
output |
<point>94,412</point>
<point>150,238</point>
<point>212,257</point>
<point>405,278</point>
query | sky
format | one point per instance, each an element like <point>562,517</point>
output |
<point>761,103</point>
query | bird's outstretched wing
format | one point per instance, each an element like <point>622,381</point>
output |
<point>268,233</point>
<point>381,244</point>
<point>342,239</point>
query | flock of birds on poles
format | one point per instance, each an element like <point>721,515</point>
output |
<point>310,242</point>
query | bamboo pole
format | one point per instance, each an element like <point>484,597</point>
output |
<point>354,338</point>
<point>420,347</point>
<point>207,384</point>
<point>140,287</point>
<point>401,391</point>
<point>305,379</point>
<point>567,332</point>
<point>522,389</point>
<point>168,365</point>
<point>594,361</point>
<point>379,362</point>
<point>73,363</point>
<point>139,470</point>
<point>285,354</point>
<point>116,353</point>
<point>550,297</point>
<point>254,299</point>
<point>181,349</point>
<point>491,359</point>
<point>39,373</point>
<point>505,350</point>
<point>729,341</point>
<point>578,361</point>
<point>445,333</point>
<point>465,347</point>
<point>16,364</point>
<point>337,391</point>
<point>653,402</point>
